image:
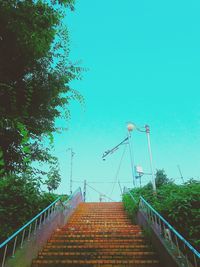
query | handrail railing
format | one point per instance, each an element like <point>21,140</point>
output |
<point>28,223</point>
<point>185,253</point>
<point>33,225</point>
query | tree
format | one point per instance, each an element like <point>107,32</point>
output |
<point>35,73</point>
<point>20,200</point>
<point>54,178</point>
<point>161,178</point>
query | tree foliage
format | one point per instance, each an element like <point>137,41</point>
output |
<point>178,204</point>
<point>54,178</point>
<point>35,73</point>
<point>20,200</point>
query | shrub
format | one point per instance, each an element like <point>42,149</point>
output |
<point>178,204</point>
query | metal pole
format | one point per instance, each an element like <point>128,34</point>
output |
<point>120,188</point>
<point>150,157</point>
<point>4,255</point>
<point>84,191</point>
<point>13,252</point>
<point>71,169</point>
<point>131,157</point>
<point>180,172</point>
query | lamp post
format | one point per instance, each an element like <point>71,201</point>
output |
<point>131,127</point>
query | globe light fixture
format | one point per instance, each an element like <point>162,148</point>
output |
<point>130,126</point>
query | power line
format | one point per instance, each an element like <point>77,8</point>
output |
<point>101,182</point>
<point>100,192</point>
<point>118,170</point>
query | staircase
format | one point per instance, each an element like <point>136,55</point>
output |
<point>97,234</point>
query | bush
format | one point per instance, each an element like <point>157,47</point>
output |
<point>178,204</point>
<point>20,200</point>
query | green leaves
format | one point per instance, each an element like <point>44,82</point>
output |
<point>178,204</point>
<point>54,177</point>
<point>20,200</point>
<point>35,73</point>
<point>1,162</point>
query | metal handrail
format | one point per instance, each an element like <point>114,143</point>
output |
<point>28,223</point>
<point>39,219</point>
<point>172,228</point>
<point>168,230</point>
<point>127,190</point>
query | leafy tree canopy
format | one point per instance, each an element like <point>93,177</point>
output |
<point>20,200</point>
<point>35,73</point>
<point>54,178</point>
<point>178,204</point>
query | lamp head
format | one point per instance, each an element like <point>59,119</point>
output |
<point>130,126</point>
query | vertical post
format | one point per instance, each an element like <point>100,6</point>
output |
<point>84,191</point>
<point>35,227</point>
<point>140,177</point>
<point>71,171</point>
<point>131,157</point>
<point>4,255</point>
<point>150,157</point>
<point>120,188</point>
<point>100,198</point>
<point>29,232</point>
<point>22,241</point>
<point>180,173</point>
<point>13,252</point>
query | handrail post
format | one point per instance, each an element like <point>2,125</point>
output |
<point>13,252</point>
<point>22,241</point>
<point>40,221</point>
<point>4,255</point>
<point>195,260</point>
<point>35,226</point>
<point>177,245</point>
<point>29,232</point>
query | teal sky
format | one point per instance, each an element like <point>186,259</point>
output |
<point>144,66</point>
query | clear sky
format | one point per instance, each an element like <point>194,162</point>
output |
<point>144,66</point>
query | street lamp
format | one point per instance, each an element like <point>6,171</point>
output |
<point>146,129</point>
<point>130,128</point>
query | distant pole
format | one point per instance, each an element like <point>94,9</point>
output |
<point>120,188</point>
<point>84,191</point>
<point>180,173</point>
<point>71,169</point>
<point>150,157</point>
<point>100,198</point>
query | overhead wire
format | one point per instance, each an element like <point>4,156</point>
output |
<point>118,170</point>
<point>100,182</point>
<point>100,192</point>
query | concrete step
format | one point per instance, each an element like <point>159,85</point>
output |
<point>93,263</point>
<point>97,234</point>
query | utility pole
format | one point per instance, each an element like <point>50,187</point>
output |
<point>131,156</point>
<point>84,191</point>
<point>150,157</point>
<point>71,168</point>
<point>120,187</point>
<point>180,173</point>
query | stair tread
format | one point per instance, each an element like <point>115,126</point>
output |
<point>97,234</point>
